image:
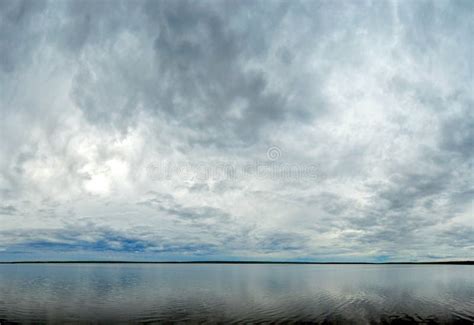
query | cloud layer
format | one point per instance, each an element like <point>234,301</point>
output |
<point>302,130</point>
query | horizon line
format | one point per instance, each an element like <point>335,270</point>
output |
<point>461,262</point>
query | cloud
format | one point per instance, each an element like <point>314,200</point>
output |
<point>18,36</point>
<point>187,65</point>
<point>7,210</point>
<point>376,97</point>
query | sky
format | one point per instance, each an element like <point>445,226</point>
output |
<point>236,130</point>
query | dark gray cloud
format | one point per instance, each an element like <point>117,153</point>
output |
<point>8,210</point>
<point>199,73</point>
<point>18,34</point>
<point>458,236</point>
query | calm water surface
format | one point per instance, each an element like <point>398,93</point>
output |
<point>111,293</point>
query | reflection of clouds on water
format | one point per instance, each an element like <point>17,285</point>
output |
<point>245,293</point>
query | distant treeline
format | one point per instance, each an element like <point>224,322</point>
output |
<point>234,262</point>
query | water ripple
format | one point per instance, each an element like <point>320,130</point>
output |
<point>236,294</point>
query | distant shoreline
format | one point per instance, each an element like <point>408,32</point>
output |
<point>242,262</point>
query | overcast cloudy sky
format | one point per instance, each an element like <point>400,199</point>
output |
<point>270,130</point>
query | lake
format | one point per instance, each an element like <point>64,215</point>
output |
<point>228,293</point>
